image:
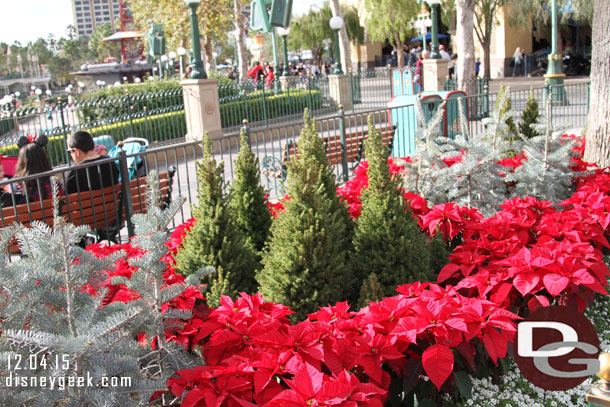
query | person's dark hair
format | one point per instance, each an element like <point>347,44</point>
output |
<point>81,140</point>
<point>32,159</point>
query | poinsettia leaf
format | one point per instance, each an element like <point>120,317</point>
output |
<point>194,396</point>
<point>526,282</point>
<point>411,374</point>
<point>555,283</point>
<point>500,295</point>
<point>437,361</point>
<point>491,348</point>
<point>464,383</point>
<point>447,271</point>
<point>457,323</point>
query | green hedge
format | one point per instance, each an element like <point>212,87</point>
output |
<point>160,127</point>
<point>168,126</point>
<point>132,88</point>
<point>258,107</point>
<point>6,124</point>
<point>154,128</point>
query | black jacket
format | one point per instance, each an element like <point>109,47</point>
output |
<point>92,178</point>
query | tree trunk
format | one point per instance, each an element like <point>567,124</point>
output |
<point>399,48</point>
<point>486,57</point>
<point>240,21</point>
<point>210,66</point>
<point>346,52</point>
<point>597,148</point>
<point>465,41</point>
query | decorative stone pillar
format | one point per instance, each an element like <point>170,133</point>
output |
<point>201,108</point>
<point>435,72</point>
<point>340,90</point>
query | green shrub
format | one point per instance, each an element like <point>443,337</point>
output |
<point>215,240</point>
<point>132,88</point>
<point>248,199</point>
<point>370,291</point>
<point>504,106</point>
<point>256,106</point>
<point>387,240</point>
<point>306,263</point>
<point>160,127</point>
<point>530,116</point>
<point>6,124</point>
<point>121,104</point>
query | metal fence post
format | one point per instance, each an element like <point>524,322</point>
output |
<point>125,190</point>
<point>391,80</point>
<point>588,95</point>
<point>309,101</point>
<point>265,110</point>
<point>130,116</point>
<point>344,165</point>
<point>64,155</point>
<point>247,132</point>
<point>485,101</point>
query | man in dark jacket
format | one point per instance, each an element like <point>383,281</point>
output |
<point>82,150</point>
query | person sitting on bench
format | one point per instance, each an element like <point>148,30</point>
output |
<point>82,150</point>
<point>32,160</point>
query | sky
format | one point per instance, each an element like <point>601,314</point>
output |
<point>28,20</point>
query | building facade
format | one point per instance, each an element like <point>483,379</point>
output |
<point>88,14</point>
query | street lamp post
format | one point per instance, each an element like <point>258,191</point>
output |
<point>283,32</point>
<point>554,73</point>
<point>198,72</point>
<point>181,54</point>
<point>434,4</point>
<point>336,23</point>
<point>275,58</point>
<point>172,57</point>
<point>163,66</point>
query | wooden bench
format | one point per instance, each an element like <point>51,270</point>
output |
<point>138,189</point>
<point>100,209</point>
<point>275,168</point>
<point>26,214</point>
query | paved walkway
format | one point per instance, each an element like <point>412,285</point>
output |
<point>522,83</point>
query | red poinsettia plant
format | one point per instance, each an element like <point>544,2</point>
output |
<point>531,253</point>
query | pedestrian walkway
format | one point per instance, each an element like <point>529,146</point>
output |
<point>522,83</point>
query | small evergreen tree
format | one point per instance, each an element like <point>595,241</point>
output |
<point>529,117</point>
<point>59,330</point>
<point>503,107</point>
<point>370,291</point>
<point>306,263</point>
<point>387,239</point>
<point>546,174</point>
<point>215,240</point>
<point>248,200</point>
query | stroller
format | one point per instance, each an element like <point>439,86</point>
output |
<point>136,164</point>
<point>136,167</point>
